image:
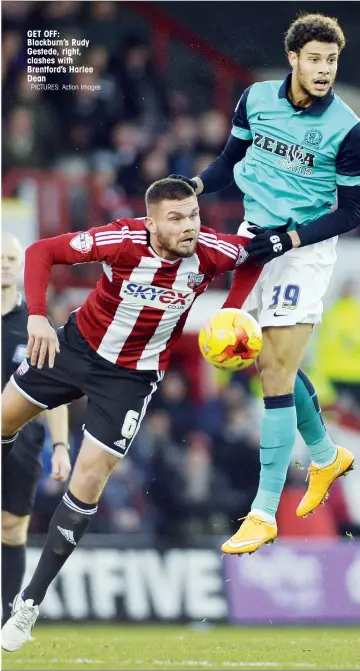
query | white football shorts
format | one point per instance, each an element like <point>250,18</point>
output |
<point>290,289</point>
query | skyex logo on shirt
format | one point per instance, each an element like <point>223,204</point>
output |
<point>156,297</point>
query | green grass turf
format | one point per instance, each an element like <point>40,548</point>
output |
<point>186,647</point>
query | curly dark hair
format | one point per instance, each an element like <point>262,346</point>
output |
<point>310,27</point>
<point>168,189</point>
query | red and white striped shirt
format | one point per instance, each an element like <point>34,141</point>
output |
<point>139,307</point>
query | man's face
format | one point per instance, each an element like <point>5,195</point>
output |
<point>174,227</point>
<point>11,261</point>
<point>315,67</point>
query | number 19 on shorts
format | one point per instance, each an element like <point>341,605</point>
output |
<point>290,297</point>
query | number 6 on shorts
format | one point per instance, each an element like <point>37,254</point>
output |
<point>130,423</point>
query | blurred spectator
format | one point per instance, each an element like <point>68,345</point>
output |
<point>14,11</point>
<point>213,132</point>
<point>90,110</point>
<point>185,134</point>
<point>126,145</point>
<point>125,504</point>
<point>142,90</point>
<point>165,481</point>
<point>236,454</point>
<point>65,12</point>
<point>110,199</point>
<point>174,397</point>
<point>186,493</point>
<point>74,169</point>
<point>153,165</point>
<point>98,58</point>
<point>24,141</point>
<point>104,10</point>
<point>11,58</point>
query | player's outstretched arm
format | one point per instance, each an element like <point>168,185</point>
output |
<point>97,244</point>
<point>268,245</point>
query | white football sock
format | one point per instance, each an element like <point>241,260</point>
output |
<point>270,519</point>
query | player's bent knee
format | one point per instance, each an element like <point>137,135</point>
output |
<point>277,380</point>
<point>91,471</point>
<point>14,529</point>
<point>16,410</point>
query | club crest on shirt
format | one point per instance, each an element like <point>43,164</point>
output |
<point>82,242</point>
<point>23,368</point>
<point>312,138</point>
<point>194,280</point>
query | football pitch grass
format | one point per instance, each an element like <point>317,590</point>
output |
<point>188,647</point>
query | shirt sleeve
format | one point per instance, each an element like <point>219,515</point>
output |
<point>348,159</point>
<point>240,124</point>
<point>228,253</point>
<point>343,220</point>
<point>243,282</point>
<point>246,273</point>
<point>101,243</point>
<point>347,215</point>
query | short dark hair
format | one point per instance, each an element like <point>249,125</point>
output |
<point>309,27</point>
<point>168,189</point>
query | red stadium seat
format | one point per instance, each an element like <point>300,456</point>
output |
<point>321,524</point>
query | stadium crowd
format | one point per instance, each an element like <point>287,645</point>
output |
<point>194,467</point>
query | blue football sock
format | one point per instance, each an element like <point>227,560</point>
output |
<point>278,432</point>
<point>310,422</point>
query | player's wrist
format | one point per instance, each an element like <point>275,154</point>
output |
<point>37,313</point>
<point>296,242</point>
<point>199,185</point>
<point>61,443</point>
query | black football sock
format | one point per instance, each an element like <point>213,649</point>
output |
<point>12,573</point>
<point>68,524</point>
<point>6,445</point>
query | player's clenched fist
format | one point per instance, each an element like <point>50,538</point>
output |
<point>42,340</point>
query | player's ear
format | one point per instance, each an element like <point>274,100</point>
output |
<point>292,57</point>
<point>150,224</point>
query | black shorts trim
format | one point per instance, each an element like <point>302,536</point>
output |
<point>27,396</point>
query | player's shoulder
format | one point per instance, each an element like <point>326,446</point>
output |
<point>124,230</point>
<point>259,88</point>
<point>261,93</point>
<point>207,234</point>
<point>137,224</point>
<point>208,243</point>
<point>343,112</point>
<point>211,240</point>
<point>266,84</point>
